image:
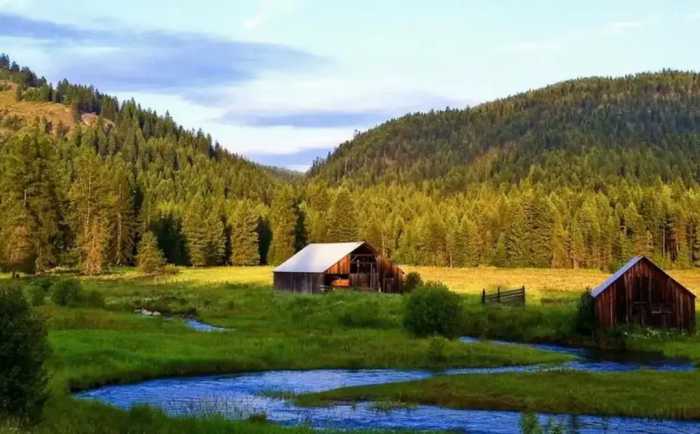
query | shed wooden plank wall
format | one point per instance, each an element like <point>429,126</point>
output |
<point>298,282</point>
<point>385,274</point>
<point>340,267</point>
<point>646,296</point>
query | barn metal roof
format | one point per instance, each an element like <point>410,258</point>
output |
<point>317,258</point>
<point>595,292</point>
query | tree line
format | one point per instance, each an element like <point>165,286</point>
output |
<point>87,195</point>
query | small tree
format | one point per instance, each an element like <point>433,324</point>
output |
<point>23,352</point>
<point>434,310</point>
<point>149,258</point>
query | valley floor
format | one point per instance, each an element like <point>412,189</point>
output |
<point>273,330</point>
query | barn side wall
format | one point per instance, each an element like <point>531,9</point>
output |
<point>645,296</point>
<point>298,282</point>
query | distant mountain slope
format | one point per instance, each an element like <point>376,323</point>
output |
<point>640,127</point>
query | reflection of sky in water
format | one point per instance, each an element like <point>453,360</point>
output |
<point>202,327</point>
<point>244,394</point>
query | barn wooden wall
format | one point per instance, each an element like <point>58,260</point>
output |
<point>298,282</point>
<point>389,276</point>
<point>622,302</point>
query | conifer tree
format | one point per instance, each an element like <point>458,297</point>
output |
<point>28,189</point>
<point>204,232</point>
<point>17,251</point>
<point>559,247</point>
<point>342,220</point>
<point>244,235</point>
<point>500,256</point>
<point>88,194</point>
<point>149,258</point>
<point>283,222</point>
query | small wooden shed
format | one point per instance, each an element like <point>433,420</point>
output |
<point>642,293</point>
<point>320,266</point>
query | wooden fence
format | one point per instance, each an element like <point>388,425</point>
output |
<point>504,296</point>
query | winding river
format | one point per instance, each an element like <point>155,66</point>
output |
<point>246,394</point>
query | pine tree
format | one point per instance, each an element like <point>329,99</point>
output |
<point>244,235</point>
<point>89,199</point>
<point>17,250</point>
<point>283,222</point>
<point>342,220</point>
<point>559,244</point>
<point>121,214</point>
<point>500,256</point>
<point>28,188</point>
<point>204,232</point>
<point>149,258</point>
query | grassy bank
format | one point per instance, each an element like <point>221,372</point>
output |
<point>275,330</point>
<point>266,330</point>
<point>68,416</point>
<point>639,394</point>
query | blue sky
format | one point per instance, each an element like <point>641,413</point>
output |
<point>285,81</point>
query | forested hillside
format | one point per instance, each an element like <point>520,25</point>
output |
<point>583,173</point>
<point>579,174</point>
<point>82,193</point>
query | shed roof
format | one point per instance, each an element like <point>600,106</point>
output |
<point>317,258</point>
<point>595,292</point>
<point>616,275</point>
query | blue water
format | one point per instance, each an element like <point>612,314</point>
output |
<point>202,327</point>
<point>243,395</point>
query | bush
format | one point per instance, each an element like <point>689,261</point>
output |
<point>434,310</point>
<point>24,350</point>
<point>436,350</point>
<point>94,299</point>
<point>36,294</point>
<point>585,315</point>
<point>67,292</point>
<point>412,281</point>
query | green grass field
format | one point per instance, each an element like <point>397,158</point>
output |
<point>276,330</point>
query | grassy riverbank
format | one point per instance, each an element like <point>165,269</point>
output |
<point>638,394</point>
<point>273,330</point>
<point>267,330</point>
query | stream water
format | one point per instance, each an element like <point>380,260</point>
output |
<point>202,326</point>
<point>243,395</point>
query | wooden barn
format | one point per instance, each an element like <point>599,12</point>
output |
<point>318,267</point>
<point>642,293</point>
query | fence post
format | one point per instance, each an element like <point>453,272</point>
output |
<point>483,296</point>
<point>498,297</point>
<point>523,295</point>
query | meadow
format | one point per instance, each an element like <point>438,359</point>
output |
<point>268,329</point>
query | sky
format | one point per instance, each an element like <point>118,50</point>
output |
<point>283,82</point>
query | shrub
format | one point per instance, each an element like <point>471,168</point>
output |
<point>436,350</point>
<point>67,292</point>
<point>36,294</point>
<point>585,315</point>
<point>434,310</point>
<point>24,350</point>
<point>412,281</point>
<point>94,299</point>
